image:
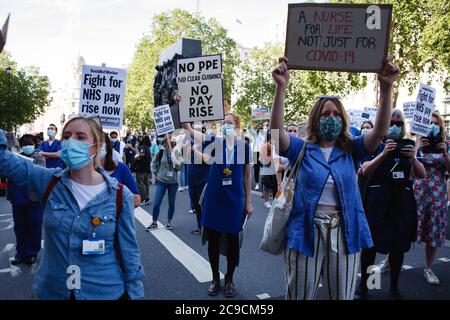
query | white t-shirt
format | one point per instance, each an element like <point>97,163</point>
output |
<point>83,194</point>
<point>329,195</point>
<point>116,156</point>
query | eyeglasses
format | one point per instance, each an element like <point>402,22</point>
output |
<point>328,97</point>
<point>292,131</point>
<point>397,123</point>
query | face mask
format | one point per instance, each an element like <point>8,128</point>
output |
<point>51,133</point>
<point>394,132</point>
<point>103,152</point>
<point>75,154</point>
<point>330,128</point>
<point>364,131</point>
<point>28,150</point>
<point>160,140</point>
<point>228,129</point>
<point>434,130</point>
<point>113,140</point>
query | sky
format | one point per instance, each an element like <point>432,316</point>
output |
<point>50,34</point>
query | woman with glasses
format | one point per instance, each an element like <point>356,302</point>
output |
<point>327,228</point>
<point>389,202</point>
<point>431,193</point>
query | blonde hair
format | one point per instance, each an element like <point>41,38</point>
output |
<point>236,118</point>
<point>312,129</point>
<point>96,132</point>
<point>399,113</point>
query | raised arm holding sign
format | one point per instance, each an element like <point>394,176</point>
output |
<point>3,33</point>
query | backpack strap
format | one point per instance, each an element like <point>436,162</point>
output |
<point>118,213</point>
<point>50,187</point>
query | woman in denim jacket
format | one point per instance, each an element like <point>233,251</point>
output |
<point>327,228</point>
<point>81,230</point>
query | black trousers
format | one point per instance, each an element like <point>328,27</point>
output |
<point>256,166</point>
<point>194,194</point>
<point>214,253</point>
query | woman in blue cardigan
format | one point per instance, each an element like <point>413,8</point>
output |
<point>327,227</point>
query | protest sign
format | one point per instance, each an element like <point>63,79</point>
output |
<point>424,108</point>
<point>201,89</point>
<point>103,94</point>
<point>4,33</point>
<point>369,114</point>
<point>261,113</point>
<point>163,120</point>
<point>408,110</point>
<point>355,118</point>
<point>338,37</point>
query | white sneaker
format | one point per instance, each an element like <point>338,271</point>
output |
<point>430,276</point>
<point>257,186</point>
<point>383,266</point>
<point>267,204</point>
<point>180,189</point>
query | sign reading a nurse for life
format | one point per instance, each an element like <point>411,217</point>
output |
<point>201,88</point>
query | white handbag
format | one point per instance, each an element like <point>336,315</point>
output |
<point>273,240</point>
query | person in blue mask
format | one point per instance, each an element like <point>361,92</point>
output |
<point>327,227</point>
<point>27,210</point>
<point>390,204</point>
<point>50,148</point>
<point>88,221</point>
<point>431,194</point>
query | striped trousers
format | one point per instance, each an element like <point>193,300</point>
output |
<point>337,270</point>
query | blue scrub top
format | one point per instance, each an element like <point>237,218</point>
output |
<point>223,205</point>
<point>55,147</point>
<point>198,174</point>
<point>124,176</point>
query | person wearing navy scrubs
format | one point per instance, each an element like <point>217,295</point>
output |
<point>227,197</point>
<point>28,212</point>
<point>50,149</point>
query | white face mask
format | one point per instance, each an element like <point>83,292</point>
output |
<point>365,130</point>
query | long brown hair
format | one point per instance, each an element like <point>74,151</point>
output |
<point>344,139</point>
<point>441,125</point>
<point>109,165</point>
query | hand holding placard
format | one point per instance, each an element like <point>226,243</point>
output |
<point>389,74</point>
<point>281,73</point>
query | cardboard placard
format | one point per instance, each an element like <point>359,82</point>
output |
<point>200,86</point>
<point>261,113</point>
<point>102,94</point>
<point>163,120</point>
<point>4,33</point>
<point>338,37</point>
<point>424,109</point>
<point>408,110</point>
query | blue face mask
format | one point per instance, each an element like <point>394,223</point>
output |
<point>330,128</point>
<point>102,152</point>
<point>394,132</point>
<point>28,150</point>
<point>51,133</point>
<point>228,129</point>
<point>434,130</point>
<point>75,154</point>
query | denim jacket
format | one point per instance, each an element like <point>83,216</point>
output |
<point>311,180</point>
<point>65,229</point>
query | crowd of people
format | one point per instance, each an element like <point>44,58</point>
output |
<point>358,192</point>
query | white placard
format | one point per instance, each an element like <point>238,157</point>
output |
<point>408,110</point>
<point>103,94</point>
<point>423,111</point>
<point>201,88</point>
<point>369,114</point>
<point>163,120</point>
<point>355,118</point>
<point>261,113</point>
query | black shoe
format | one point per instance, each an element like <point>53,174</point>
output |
<point>214,289</point>
<point>230,291</point>
<point>394,294</point>
<point>16,262</point>
<point>151,227</point>
<point>30,260</point>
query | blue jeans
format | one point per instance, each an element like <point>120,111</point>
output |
<point>183,176</point>
<point>27,227</point>
<point>161,188</point>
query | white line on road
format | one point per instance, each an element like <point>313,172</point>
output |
<point>189,258</point>
<point>444,259</point>
<point>263,296</point>
<point>406,267</point>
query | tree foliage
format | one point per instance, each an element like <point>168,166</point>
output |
<point>24,91</point>
<point>166,29</point>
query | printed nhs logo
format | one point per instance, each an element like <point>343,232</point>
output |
<point>74,280</point>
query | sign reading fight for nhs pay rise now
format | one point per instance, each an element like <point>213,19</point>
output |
<point>103,95</point>
<point>201,89</point>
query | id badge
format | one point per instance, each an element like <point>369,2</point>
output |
<point>93,247</point>
<point>227,182</point>
<point>398,175</point>
<point>170,174</point>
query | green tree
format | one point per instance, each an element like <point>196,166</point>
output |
<point>167,28</point>
<point>24,91</point>
<point>420,40</point>
<point>256,86</point>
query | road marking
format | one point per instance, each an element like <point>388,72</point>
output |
<point>9,221</point>
<point>406,267</point>
<point>447,243</point>
<point>189,258</point>
<point>444,259</point>
<point>13,270</point>
<point>263,296</point>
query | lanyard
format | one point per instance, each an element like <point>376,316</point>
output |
<point>397,162</point>
<point>229,156</point>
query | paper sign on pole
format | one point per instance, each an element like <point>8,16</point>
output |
<point>423,111</point>
<point>408,110</point>
<point>103,94</point>
<point>201,89</point>
<point>338,37</point>
<point>163,120</point>
<point>261,113</point>
<point>4,33</point>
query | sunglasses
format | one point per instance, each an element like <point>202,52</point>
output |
<point>397,123</point>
